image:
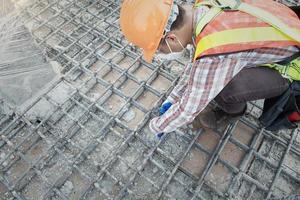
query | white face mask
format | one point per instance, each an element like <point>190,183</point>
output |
<point>173,55</point>
<point>170,56</point>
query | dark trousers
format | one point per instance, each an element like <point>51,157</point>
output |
<point>248,85</point>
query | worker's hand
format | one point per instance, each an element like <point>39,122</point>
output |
<point>159,135</point>
<point>166,106</point>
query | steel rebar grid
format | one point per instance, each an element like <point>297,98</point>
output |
<point>94,143</point>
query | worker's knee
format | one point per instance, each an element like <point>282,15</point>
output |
<point>229,95</point>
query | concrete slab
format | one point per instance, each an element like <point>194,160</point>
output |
<point>24,69</point>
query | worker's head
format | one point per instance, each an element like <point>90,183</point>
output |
<point>174,39</point>
<point>155,25</point>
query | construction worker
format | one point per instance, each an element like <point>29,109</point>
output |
<point>229,45</point>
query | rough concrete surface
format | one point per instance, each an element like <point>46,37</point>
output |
<point>24,70</point>
<point>87,98</point>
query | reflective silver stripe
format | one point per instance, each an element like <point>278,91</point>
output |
<point>173,16</point>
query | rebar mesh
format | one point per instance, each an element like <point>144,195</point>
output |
<point>87,136</point>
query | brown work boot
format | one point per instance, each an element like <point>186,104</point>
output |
<point>215,118</point>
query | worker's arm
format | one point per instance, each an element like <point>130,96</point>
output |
<point>207,77</point>
<point>180,87</point>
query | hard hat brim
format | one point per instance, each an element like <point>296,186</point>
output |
<point>149,55</point>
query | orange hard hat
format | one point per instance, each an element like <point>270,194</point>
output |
<point>143,23</point>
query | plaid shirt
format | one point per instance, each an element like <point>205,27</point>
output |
<point>203,80</point>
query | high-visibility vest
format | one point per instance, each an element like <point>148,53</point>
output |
<point>289,70</point>
<point>233,30</point>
